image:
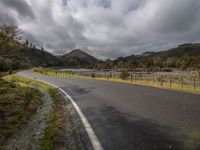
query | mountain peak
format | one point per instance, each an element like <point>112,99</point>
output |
<point>77,50</point>
<point>78,57</point>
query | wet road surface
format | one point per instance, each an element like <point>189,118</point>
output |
<point>132,117</point>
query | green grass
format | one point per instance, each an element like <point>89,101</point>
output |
<point>56,132</point>
<point>26,82</point>
<point>24,87</point>
<point>3,74</point>
<point>48,141</point>
<point>18,101</point>
<point>49,134</point>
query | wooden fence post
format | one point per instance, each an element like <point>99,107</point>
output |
<point>182,81</point>
<point>170,82</point>
<point>147,80</point>
<point>194,82</point>
<point>153,80</point>
<point>131,77</point>
<point>161,80</point>
<point>135,77</point>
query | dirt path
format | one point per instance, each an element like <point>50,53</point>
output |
<point>29,136</point>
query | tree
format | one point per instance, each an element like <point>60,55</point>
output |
<point>31,45</point>
<point>9,36</point>
<point>5,64</point>
<point>27,43</point>
<point>171,62</point>
<point>34,47</point>
<point>132,64</point>
<point>158,62</point>
<point>42,48</point>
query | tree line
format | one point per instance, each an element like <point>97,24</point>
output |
<point>10,42</point>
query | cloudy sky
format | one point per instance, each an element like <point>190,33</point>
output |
<point>105,28</point>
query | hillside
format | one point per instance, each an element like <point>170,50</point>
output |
<point>29,57</point>
<point>38,57</point>
<point>180,51</point>
<point>78,58</point>
<point>183,57</point>
<point>20,55</point>
<point>32,57</point>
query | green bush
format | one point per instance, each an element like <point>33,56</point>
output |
<point>5,64</point>
<point>124,74</point>
<point>93,75</point>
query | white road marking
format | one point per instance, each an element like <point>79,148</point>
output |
<point>92,136</point>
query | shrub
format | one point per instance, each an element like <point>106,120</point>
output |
<point>5,64</point>
<point>124,74</point>
<point>93,75</point>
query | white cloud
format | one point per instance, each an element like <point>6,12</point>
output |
<point>107,28</point>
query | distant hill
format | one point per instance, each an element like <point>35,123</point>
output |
<point>180,51</point>
<point>38,57</point>
<point>183,57</point>
<point>186,56</point>
<point>32,57</point>
<point>29,57</point>
<point>78,58</point>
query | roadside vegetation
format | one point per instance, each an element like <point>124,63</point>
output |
<point>18,102</point>
<point>124,74</point>
<point>189,84</point>
<point>60,132</point>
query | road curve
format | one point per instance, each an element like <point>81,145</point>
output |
<point>132,117</point>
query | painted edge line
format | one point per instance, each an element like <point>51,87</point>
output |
<point>91,134</point>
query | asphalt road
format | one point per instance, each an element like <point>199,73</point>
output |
<point>132,117</point>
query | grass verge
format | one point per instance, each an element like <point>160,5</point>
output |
<point>60,132</point>
<point>19,99</point>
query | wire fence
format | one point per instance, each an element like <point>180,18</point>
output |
<point>173,80</point>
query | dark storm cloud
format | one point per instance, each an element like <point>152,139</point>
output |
<point>105,3</point>
<point>6,19</point>
<point>177,16</point>
<point>20,6</point>
<point>106,28</point>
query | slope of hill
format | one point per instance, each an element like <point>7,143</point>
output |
<point>181,50</point>
<point>78,58</point>
<point>183,57</point>
<point>38,57</point>
<point>28,57</point>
